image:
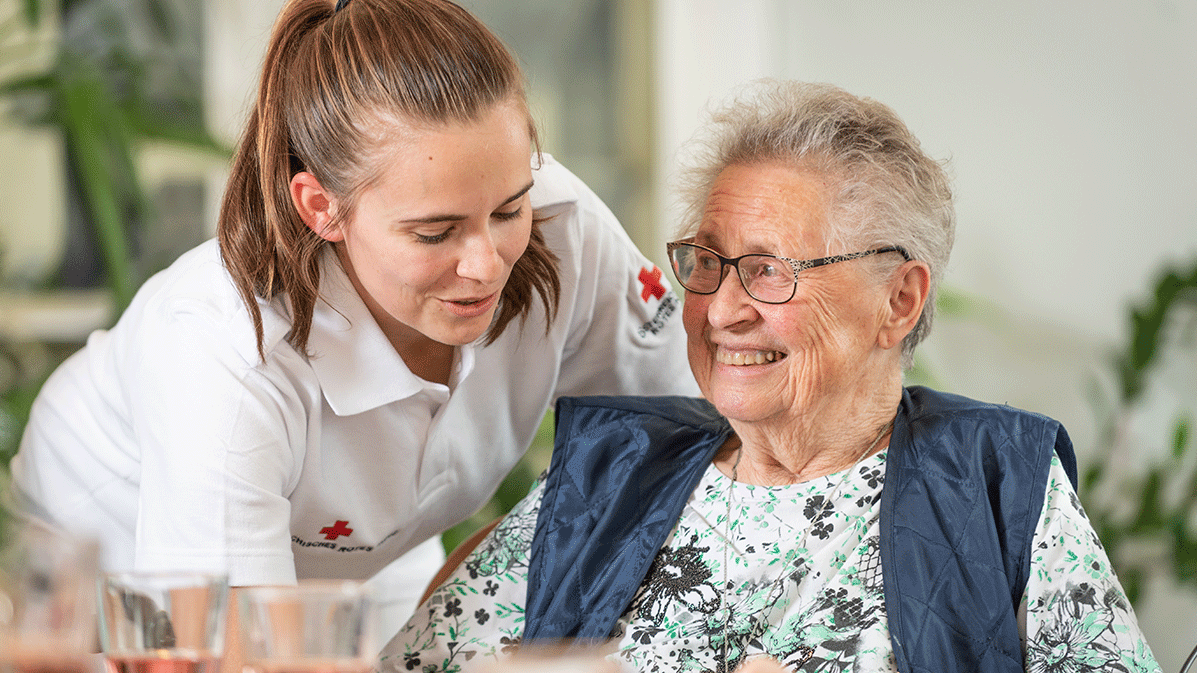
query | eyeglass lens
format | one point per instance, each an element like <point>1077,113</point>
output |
<point>765,277</point>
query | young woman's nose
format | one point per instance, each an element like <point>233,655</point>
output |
<point>480,259</point>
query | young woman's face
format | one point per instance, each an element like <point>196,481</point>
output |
<point>431,243</point>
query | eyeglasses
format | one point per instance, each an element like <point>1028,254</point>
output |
<point>700,270</point>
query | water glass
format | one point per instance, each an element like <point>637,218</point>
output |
<point>162,622</point>
<point>47,609</point>
<point>314,627</point>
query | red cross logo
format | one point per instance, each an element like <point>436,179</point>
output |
<point>334,532</point>
<point>652,283</point>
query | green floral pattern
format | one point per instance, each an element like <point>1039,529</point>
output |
<point>1077,611</point>
<point>813,600</point>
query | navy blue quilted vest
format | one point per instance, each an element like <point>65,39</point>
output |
<point>963,491</point>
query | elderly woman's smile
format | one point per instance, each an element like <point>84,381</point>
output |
<point>741,358</point>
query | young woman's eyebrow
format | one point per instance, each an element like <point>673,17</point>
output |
<point>434,219</point>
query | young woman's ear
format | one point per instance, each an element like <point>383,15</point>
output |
<point>315,206</point>
<point>908,293</point>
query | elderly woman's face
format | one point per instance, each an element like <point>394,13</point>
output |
<point>758,362</point>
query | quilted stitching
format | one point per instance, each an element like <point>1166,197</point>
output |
<point>974,504</point>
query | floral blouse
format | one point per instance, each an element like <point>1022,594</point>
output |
<point>793,573</point>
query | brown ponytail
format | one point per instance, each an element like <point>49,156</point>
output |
<point>329,81</point>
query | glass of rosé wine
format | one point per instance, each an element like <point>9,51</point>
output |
<point>162,622</point>
<point>313,627</point>
<point>47,604</point>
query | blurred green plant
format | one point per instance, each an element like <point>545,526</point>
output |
<point>120,77</point>
<point>14,403</point>
<point>1145,511</point>
<point>109,77</point>
<point>12,407</point>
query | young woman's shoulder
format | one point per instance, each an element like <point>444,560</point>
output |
<point>560,194</point>
<point>196,292</point>
<point>578,227</point>
<point>555,185</point>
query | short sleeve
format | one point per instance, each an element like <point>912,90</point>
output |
<point>1075,610</point>
<point>625,320</point>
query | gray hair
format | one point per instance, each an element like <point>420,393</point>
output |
<point>885,189</point>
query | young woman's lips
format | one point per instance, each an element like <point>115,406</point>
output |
<point>472,308</point>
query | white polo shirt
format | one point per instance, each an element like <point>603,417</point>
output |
<point>171,440</point>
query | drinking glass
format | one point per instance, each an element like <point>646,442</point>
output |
<point>314,627</point>
<point>162,622</point>
<point>47,609</point>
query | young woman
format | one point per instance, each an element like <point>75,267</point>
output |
<point>401,286</point>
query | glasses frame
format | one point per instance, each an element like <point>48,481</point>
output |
<point>796,265</point>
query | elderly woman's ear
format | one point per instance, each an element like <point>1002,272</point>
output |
<point>908,290</point>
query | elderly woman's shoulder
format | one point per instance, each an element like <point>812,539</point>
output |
<point>955,426</point>
<point>922,401</point>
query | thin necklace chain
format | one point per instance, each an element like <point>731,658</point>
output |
<point>723,604</point>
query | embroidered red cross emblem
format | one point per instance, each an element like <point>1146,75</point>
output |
<point>336,531</point>
<point>652,283</point>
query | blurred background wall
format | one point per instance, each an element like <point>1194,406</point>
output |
<point>1066,124</point>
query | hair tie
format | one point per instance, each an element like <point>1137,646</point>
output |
<point>340,5</point>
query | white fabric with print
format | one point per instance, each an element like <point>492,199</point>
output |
<point>820,607</point>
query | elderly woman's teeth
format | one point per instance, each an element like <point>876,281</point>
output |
<point>740,358</point>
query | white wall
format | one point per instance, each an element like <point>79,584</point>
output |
<point>1068,127</point>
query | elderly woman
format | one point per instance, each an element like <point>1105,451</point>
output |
<point>810,509</point>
